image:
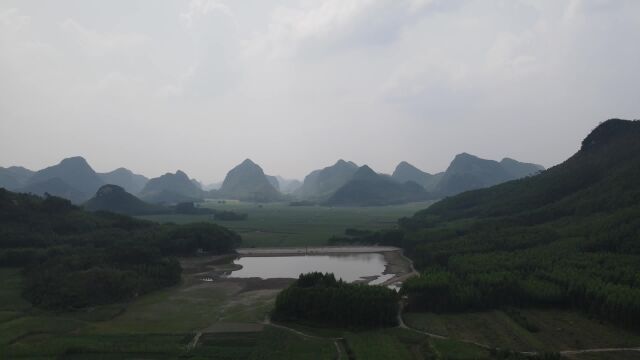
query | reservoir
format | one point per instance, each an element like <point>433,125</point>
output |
<point>348,267</point>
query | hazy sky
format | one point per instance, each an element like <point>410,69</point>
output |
<point>295,85</point>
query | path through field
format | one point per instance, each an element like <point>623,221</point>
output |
<point>336,341</point>
<point>402,324</point>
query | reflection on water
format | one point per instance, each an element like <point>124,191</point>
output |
<point>347,267</point>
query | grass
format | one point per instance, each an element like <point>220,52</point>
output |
<point>159,325</point>
<point>281,344</point>
<point>557,330</point>
<point>455,350</point>
<point>376,345</point>
<point>278,224</point>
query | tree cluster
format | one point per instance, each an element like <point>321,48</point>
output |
<point>73,258</point>
<point>321,299</point>
<point>568,237</point>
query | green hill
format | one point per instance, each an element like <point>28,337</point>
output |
<point>14,177</point>
<point>406,172</point>
<point>55,187</point>
<point>8,180</point>
<point>468,172</point>
<point>74,171</point>
<point>320,184</point>
<point>367,188</point>
<point>72,259</point>
<point>567,237</point>
<point>248,182</point>
<point>171,189</point>
<point>115,199</point>
<point>125,178</point>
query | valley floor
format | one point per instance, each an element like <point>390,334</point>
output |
<point>281,225</point>
<point>226,319</point>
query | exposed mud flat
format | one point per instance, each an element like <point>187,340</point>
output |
<point>315,250</point>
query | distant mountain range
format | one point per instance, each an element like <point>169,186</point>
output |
<point>467,172</point>
<point>57,187</point>
<point>343,183</point>
<point>125,178</point>
<point>248,182</point>
<point>171,189</point>
<point>367,188</point>
<point>406,172</point>
<point>320,184</point>
<point>74,172</point>
<point>116,199</point>
<point>14,177</point>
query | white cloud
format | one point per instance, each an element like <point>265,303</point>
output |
<point>102,43</point>
<point>200,8</point>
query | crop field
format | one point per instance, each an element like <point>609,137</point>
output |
<point>229,316</point>
<point>278,224</point>
<point>553,330</point>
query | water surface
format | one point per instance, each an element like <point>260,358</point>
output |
<point>346,267</point>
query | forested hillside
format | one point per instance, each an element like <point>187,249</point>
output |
<point>115,199</point>
<point>569,237</point>
<point>73,258</point>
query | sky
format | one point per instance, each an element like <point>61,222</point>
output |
<point>295,85</point>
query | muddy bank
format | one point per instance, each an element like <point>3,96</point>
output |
<point>218,268</point>
<point>320,250</point>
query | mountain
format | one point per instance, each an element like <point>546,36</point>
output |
<point>406,172</point>
<point>468,172</point>
<point>324,182</point>
<point>366,188</point>
<point>20,173</point>
<point>248,182</point>
<point>116,199</point>
<point>14,177</point>
<point>74,171</point>
<point>273,180</point>
<point>197,183</point>
<point>56,187</point>
<point>132,183</point>
<point>566,237</point>
<point>519,169</point>
<point>170,189</point>
<point>8,180</point>
<point>288,186</point>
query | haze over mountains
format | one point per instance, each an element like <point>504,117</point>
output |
<point>367,188</point>
<point>467,172</point>
<point>171,188</point>
<point>341,184</point>
<point>116,199</point>
<point>406,172</point>
<point>324,182</point>
<point>125,178</point>
<point>248,182</point>
<point>74,171</point>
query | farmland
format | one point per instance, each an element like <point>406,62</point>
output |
<point>279,224</point>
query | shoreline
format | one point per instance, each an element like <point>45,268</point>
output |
<point>313,250</point>
<point>396,264</point>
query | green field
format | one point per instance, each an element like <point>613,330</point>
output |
<point>278,224</point>
<point>555,330</point>
<point>157,325</point>
<point>229,313</point>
